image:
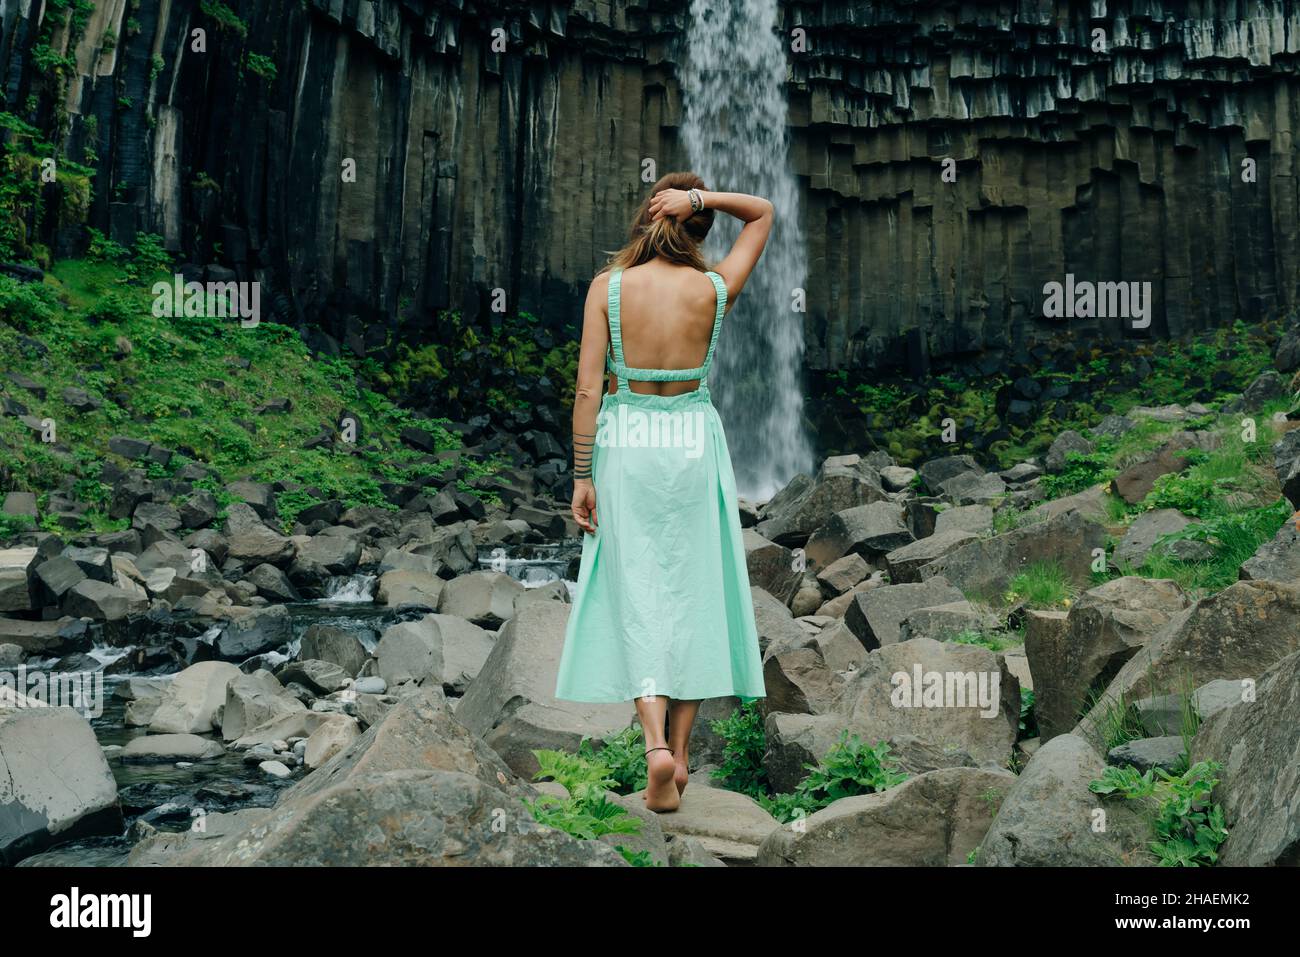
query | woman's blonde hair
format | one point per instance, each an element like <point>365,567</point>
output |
<point>675,241</point>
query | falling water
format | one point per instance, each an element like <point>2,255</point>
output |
<point>736,136</point>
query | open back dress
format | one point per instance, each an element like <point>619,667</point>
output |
<point>662,604</point>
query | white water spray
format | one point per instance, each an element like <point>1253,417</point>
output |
<point>736,135</point>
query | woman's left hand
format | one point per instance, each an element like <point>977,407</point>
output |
<point>584,505</point>
<point>671,202</point>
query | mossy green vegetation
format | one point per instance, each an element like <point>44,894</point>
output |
<point>1188,826</point>
<point>193,385</point>
<point>905,417</point>
<point>850,767</point>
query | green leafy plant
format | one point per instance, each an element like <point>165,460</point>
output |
<point>1082,470</point>
<point>624,755</point>
<point>1028,726</point>
<point>1040,585</point>
<point>851,767</point>
<point>1189,827</point>
<point>744,742</point>
<point>587,813</point>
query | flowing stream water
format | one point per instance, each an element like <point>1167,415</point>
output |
<point>172,795</point>
<point>736,135</point>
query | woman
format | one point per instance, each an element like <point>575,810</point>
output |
<point>663,614</point>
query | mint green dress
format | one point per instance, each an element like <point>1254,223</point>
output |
<point>662,605</point>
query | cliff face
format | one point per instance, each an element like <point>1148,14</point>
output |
<point>479,170</point>
<point>1118,164</point>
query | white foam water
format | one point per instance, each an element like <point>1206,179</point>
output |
<point>736,135</point>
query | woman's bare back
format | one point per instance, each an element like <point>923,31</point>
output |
<point>666,314</point>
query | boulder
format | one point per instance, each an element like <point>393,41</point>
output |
<point>807,504</point>
<point>16,569</point>
<point>1237,633</point>
<point>972,488</point>
<point>730,826</point>
<point>937,471</point>
<point>1146,530</point>
<point>935,819</point>
<point>1286,463</point>
<point>272,583</point>
<point>976,519</point>
<point>1050,818</point>
<point>259,631</point>
<point>486,598</point>
<point>1135,482</point>
<point>842,574</point>
<point>1276,560</point>
<point>798,681</point>
<point>330,739</point>
<point>986,567</point>
<point>252,700</point>
<point>328,643</point>
<point>905,563</point>
<point>411,651</point>
<point>102,602</point>
<point>1259,787</point>
<point>192,698</point>
<point>1104,629</point>
<point>54,782</point>
<point>876,616</point>
<point>1066,443</point>
<point>404,587</point>
<point>511,703</point>
<point>318,677</point>
<point>171,747</point>
<point>776,626</point>
<point>957,697</point>
<point>410,818</point>
<point>867,530</point>
<point>1145,754</point>
<point>772,567</point>
<point>252,542</point>
<point>943,622</point>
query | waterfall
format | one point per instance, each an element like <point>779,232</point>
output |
<point>735,132</point>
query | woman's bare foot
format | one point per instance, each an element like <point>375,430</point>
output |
<point>681,774</point>
<point>661,789</point>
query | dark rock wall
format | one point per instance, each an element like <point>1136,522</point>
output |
<point>479,171</point>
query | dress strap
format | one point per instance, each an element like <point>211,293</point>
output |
<point>720,286</point>
<point>616,327</point>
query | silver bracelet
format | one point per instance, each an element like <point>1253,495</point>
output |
<point>697,202</point>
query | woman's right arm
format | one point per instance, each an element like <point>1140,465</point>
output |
<point>756,213</point>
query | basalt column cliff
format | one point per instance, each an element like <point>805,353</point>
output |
<point>500,146</point>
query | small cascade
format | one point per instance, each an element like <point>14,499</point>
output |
<point>350,589</point>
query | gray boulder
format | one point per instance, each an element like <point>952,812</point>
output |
<point>255,633</point>
<point>931,820</point>
<point>1145,531</point>
<point>1276,560</point>
<point>511,703</point>
<point>54,782</point>
<point>867,530</point>
<point>986,567</point>
<point>807,504</point>
<point>1104,629</point>
<point>876,616</point>
<point>1050,818</point>
<point>486,598</point>
<point>1259,787</point>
